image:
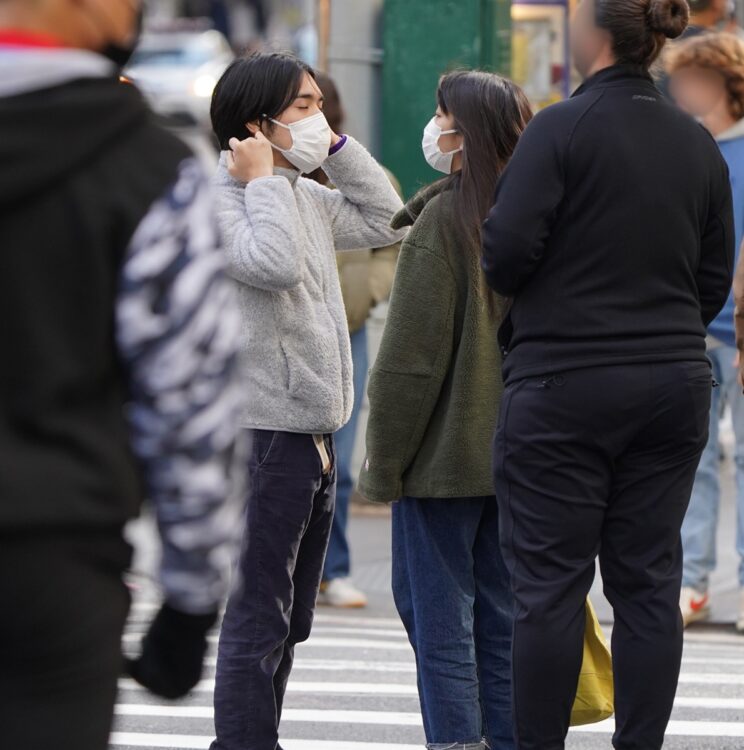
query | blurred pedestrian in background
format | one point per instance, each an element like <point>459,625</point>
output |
<point>112,292</point>
<point>434,396</point>
<point>706,15</point>
<point>707,81</point>
<point>366,280</point>
<point>613,232</point>
<point>281,232</point>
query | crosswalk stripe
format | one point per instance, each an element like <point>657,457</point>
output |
<point>682,701</point>
<point>320,716</point>
<point>373,621</point>
<point>317,642</point>
<point>408,667</point>
<point>334,688</point>
<point>678,728</point>
<point>383,632</point>
<point>713,661</point>
<point>367,688</point>
<point>202,742</point>
<point>320,617</point>
<point>392,718</point>
<point>330,665</point>
<point>723,638</point>
<point>693,678</point>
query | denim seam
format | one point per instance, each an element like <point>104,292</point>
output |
<point>513,566</point>
<point>259,557</point>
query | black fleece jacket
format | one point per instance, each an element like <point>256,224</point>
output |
<point>612,231</point>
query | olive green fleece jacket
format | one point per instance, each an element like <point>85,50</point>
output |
<point>435,388</point>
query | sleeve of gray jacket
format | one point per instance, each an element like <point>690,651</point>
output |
<point>177,328</point>
<point>363,205</point>
<point>261,230</point>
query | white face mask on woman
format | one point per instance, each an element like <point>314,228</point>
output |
<point>311,142</point>
<point>436,158</point>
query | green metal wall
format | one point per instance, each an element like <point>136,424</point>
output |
<point>422,39</point>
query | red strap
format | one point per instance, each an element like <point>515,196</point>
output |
<point>18,38</point>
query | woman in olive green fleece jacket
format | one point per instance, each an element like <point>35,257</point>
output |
<point>434,398</point>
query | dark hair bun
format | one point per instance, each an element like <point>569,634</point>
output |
<point>669,17</point>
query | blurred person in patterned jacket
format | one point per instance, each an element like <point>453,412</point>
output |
<point>117,377</point>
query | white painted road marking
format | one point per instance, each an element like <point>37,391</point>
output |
<point>202,742</point>
<point>295,686</point>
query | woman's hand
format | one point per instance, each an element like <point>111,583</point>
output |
<point>250,159</point>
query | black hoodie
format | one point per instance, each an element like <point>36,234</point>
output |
<point>612,231</point>
<point>81,165</point>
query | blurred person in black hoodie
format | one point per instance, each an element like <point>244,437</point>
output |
<point>116,377</point>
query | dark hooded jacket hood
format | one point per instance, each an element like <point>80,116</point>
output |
<point>46,135</point>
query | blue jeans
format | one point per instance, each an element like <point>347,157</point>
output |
<point>453,594</point>
<point>288,520</point>
<point>701,521</point>
<point>338,560</point>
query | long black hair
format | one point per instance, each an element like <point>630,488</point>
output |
<point>253,88</point>
<point>490,112</point>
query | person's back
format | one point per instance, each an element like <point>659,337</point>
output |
<point>613,232</point>
<point>626,240</point>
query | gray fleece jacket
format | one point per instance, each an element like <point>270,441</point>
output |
<point>281,234</point>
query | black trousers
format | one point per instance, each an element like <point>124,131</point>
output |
<point>63,605</point>
<point>598,462</point>
<point>289,515</point>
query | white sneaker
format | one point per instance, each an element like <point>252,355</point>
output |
<point>740,621</point>
<point>342,593</point>
<point>695,605</point>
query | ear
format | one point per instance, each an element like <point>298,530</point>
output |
<point>253,127</point>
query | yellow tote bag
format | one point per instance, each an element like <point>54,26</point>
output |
<point>595,697</point>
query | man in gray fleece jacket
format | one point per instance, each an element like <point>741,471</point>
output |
<point>281,232</point>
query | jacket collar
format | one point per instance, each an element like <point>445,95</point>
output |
<point>615,75</point>
<point>407,216</point>
<point>223,177</point>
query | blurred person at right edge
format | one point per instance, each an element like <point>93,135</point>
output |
<point>706,16</point>
<point>434,396</point>
<point>613,234</point>
<point>366,280</point>
<point>117,378</point>
<point>707,81</point>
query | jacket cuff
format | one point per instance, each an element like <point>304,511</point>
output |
<point>381,482</point>
<point>335,149</point>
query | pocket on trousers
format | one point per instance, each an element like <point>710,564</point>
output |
<point>263,445</point>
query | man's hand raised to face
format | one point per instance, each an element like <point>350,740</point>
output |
<point>251,158</point>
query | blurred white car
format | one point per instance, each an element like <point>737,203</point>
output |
<point>178,70</point>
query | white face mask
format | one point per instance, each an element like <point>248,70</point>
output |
<point>311,142</point>
<point>436,158</point>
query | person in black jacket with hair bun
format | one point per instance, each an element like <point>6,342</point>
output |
<point>612,232</point>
